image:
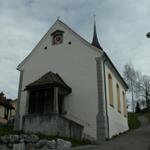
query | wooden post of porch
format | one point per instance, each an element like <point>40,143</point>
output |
<point>27,103</point>
<point>56,100</point>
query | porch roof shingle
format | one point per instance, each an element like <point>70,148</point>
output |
<point>49,79</point>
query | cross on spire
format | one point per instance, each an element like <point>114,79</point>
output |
<point>94,16</point>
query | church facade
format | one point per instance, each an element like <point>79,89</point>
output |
<point>69,87</point>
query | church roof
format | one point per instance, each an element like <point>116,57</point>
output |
<point>49,79</point>
<point>106,56</point>
<point>49,31</point>
<point>95,41</point>
<point>94,45</point>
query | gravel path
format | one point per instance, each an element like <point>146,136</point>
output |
<point>138,139</point>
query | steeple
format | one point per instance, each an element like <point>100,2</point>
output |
<point>95,41</point>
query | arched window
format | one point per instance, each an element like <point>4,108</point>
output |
<point>124,104</point>
<point>118,98</point>
<point>110,86</point>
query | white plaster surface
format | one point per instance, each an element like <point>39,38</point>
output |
<point>117,122</point>
<point>76,65</point>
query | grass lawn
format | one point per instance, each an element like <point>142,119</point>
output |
<point>5,130</point>
<point>133,121</point>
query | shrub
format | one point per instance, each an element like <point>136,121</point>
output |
<point>133,121</point>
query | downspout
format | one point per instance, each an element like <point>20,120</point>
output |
<point>106,98</point>
<point>17,114</point>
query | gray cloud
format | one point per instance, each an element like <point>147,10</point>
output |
<point>121,27</point>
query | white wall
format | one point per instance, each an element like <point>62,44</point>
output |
<point>117,121</point>
<point>76,65</point>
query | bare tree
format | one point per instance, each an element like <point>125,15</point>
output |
<point>130,76</point>
<point>143,89</point>
<point>139,86</point>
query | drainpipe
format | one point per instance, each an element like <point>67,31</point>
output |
<point>106,97</point>
<point>17,114</point>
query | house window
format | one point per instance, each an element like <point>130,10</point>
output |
<point>118,98</point>
<point>124,104</point>
<point>111,101</point>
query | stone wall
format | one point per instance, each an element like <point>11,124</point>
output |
<point>52,124</point>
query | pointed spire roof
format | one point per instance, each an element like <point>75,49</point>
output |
<point>95,41</point>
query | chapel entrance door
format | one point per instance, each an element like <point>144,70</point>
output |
<point>41,101</point>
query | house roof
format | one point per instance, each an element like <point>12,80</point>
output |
<point>6,103</point>
<point>49,79</point>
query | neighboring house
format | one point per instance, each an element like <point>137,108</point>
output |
<point>6,109</point>
<point>14,104</point>
<point>69,87</point>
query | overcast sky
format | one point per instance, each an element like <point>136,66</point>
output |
<point>121,28</point>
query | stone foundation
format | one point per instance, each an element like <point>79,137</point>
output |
<point>52,124</point>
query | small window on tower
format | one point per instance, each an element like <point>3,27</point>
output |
<point>57,37</point>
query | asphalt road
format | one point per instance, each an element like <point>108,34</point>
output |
<point>138,139</point>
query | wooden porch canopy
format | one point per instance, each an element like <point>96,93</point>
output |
<point>46,95</point>
<point>48,80</point>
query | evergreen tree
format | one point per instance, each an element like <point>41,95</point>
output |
<point>137,108</point>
